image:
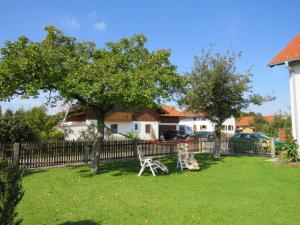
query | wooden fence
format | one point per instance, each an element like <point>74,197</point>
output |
<point>53,153</point>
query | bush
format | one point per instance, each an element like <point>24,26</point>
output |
<point>11,192</point>
<point>14,128</point>
<point>133,136</point>
<point>290,147</point>
<point>56,134</point>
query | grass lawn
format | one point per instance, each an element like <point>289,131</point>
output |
<point>234,191</point>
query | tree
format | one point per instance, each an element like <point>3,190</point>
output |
<point>14,128</point>
<point>11,192</point>
<point>43,125</point>
<point>215,88</point>
<point>123,74</point>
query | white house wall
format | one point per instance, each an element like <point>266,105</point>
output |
<point>198,122</point>
<point>189,121</point>
<point>73,132</point>
<point>295,99</point>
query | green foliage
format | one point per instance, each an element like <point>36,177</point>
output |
<point>133,136</point>
<point>90,134</point>
<point>291,149</point>
<point>218,90</point>
<point>56,134</point>
<point>123,74</point>
<point>11,192</point>
<point>14,128</point>
<point>43,125</point>
<point>34,124</point>
<point>271,129</point>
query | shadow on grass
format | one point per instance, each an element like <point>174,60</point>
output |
<point>133,167</point>
<point>28,172</point>
<point>81,222</point>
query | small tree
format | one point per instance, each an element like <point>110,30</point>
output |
<point>123,74</point>
<point>14,128</point>
<point>216,89</point>
<point>11,192</point>
<point>42,124</point>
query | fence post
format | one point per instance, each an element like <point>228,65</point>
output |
<point>135,148</point>
<point>200,145</point>
<point>272,148</point>
<point>86,153</point>
<point>16,152</point>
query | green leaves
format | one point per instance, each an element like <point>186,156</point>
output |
<point>215,88</point>
<point>123,74</point>
<point>11,192</point>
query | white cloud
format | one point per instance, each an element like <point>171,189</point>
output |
<point>70,22</point>
<point>100,26</point>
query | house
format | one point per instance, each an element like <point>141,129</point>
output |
<point>198,122</point>
<point>290,58</point>
<point>148,124</point>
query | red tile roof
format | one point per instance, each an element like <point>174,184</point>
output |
<point>192,114</point>
<point>291,52</point>
<point>247,120</point>
<point>170,111</point>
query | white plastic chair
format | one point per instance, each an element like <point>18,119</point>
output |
<point>147,161</point>
<point>186,160</point>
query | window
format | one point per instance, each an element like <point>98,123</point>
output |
<point>203,127</point>
<point>114,128</point>
<point>136,127</point>
<point>224,127</point>
<point>195,118</point>
<point>148,128</point>
<point>230,127</point>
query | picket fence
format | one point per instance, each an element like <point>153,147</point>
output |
<point>60,152</point>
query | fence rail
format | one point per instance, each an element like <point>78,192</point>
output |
<point>53,153</point>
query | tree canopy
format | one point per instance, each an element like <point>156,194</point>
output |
<point>122,74</point>
<point>216,89</point>
<point>14,128</point>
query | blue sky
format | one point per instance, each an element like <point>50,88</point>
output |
<point>260,29</point>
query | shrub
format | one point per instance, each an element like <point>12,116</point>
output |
<point>11,192</point>
<point>89,135</point>
<point>291,150</point>
<point>56,134</point>
<point>133,136</point>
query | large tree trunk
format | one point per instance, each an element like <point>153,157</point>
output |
<point>217,143</point>
<point>98,142</point>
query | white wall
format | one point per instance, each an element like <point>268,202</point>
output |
<point>295,98</point>
<point>189,121</point>
<point>73,132</point>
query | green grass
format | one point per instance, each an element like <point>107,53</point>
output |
<point>234,191</point>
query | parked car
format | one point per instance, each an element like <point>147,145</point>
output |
<point>183,133</point>
<point>251,142</point>
<point>207,135</point>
